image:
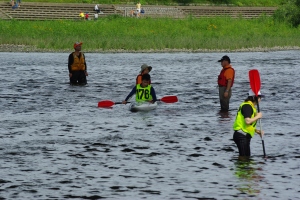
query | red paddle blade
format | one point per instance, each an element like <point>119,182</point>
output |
<point>105,103</point>
<point>254,79</point>
<point>169,99</point>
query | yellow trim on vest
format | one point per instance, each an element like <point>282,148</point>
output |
<point>143,94</point>
<point>78,63</point>
<point>240,124</point>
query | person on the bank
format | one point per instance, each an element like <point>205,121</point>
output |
<point>145,69</point>
<point>245,123</point>
<point>138,7</point>
<point>225,82</point>
<point>81,15</point>
<point>77,66</point>
<point>144,92</point>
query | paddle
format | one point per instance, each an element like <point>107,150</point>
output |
<point>255,86</point>
<point>109,103</point>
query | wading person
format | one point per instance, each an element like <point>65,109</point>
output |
<point>144,92</point>
<point>77,66</point>
<point>225,82</point>
<point>245,123</point>
<point>145,69</point>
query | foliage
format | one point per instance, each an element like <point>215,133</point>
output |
<point>289,12</point>
<point>147,33</point>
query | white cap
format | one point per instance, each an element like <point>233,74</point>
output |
<point>251,93</point>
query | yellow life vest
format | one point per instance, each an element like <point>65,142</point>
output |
<point>240,124</point>
<point>78,63</point>
<point>143,94</point>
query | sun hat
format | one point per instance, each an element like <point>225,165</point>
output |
<point>145,66</point>
<point>224,58</point>
<point>251,93</point>
<point>77,44</point>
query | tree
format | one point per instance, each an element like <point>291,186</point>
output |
<point>289,12</point>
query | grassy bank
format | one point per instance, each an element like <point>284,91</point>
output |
<point>131,34</point>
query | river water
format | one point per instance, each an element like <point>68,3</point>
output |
<point>56,144</point>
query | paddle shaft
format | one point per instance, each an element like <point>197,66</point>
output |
<point>262,139</point>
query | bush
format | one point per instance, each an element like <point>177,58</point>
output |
<point>289,12</point>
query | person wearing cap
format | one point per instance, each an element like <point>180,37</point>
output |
<point>244,125</point>
<point>225,82</point>
<point>144,92</point>
<point>145,69</point>
<point>77,66</point>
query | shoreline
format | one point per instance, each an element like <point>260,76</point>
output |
<point>32,49</point>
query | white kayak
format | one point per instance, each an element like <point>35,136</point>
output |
<point>144,106</point>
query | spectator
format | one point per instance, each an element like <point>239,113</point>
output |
<point>86,16</point>
<point>81,15</point>
<point>96,16</point>
<point>97,8</point>
<point>19,3</point>
<point>15,5</point>
<point>138,7</point>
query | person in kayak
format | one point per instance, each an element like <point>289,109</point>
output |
<point>145,69</point>
<point>143,92</point>
<point>245,123</point>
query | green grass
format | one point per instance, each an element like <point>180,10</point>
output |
<point>145,34</point>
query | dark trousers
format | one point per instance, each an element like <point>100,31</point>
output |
<point>224,102</point>
<point>243,143</point>
<point>78,78</point>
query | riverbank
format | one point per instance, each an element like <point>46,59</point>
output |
<point>118,34</point>
<point>30,49</point>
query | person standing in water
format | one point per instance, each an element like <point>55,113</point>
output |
<point>245,123</point>
<point>145,69</point>
<point>77,66</point>
<point>225,82</point>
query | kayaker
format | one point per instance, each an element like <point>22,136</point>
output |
<point>143,92</point>
<point>245,123</point>
<point>145,69</point>
<point>225,82</point>
<point>77,66</point>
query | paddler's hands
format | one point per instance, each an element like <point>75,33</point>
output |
<point>70,75</point>
<point>151,101</point>
<point>124,102</point>
<point>85,72</point>
<point>259,132</point>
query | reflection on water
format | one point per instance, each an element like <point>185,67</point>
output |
<point>55,143</point>
<point>248,176</point>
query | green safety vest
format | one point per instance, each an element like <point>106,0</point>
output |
<point>240,124</point>
<point>143,94</point>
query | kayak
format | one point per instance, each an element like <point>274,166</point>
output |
<point>145,106</point>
